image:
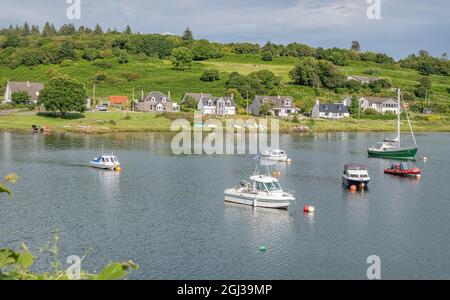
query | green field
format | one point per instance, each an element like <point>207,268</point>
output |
<point>107,122</point>
<point>153,74</point>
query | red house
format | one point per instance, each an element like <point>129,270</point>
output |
<point>118,100</point>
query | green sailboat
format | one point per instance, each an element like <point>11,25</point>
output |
<point>394,148</point>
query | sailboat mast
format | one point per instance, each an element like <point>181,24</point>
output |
<point>399,120</point>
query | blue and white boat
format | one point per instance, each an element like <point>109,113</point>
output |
<point>356,175</point>
<point>106,162</point>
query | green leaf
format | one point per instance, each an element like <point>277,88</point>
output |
<point>7,258</point>
<point>5,189</point>
<point>25,259</point>
<point>113,271</point>
<point>13,178</point>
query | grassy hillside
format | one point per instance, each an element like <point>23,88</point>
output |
<point>144,73</point>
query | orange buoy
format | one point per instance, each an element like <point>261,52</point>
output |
<point>353,188</point>
<point>309,209</point>
<point>279,173</point>
<point>118,169</point>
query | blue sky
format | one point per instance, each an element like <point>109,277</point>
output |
<point>406,26</point>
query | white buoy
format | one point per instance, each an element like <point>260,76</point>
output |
<point>425,158</point>
<point>289,160</point>
<point>311,209</point>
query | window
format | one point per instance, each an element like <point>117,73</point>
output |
<point>260,186</point>
<point>228,103</point>
<point>164,99</point>
<point>273,186</point>
<point>210,103</point>
<point>287,103</point>
<point>153,99</point>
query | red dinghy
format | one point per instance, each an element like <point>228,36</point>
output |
<point>403,170</point>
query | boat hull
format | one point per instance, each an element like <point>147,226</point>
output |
<point>349,182</point>
<point>275,158</point>
<point>404,173</point>
<point>258,201</point>
<point>103,166</point>
<point>404,153</point>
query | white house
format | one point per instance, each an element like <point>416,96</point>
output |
<point>362,79</point>
<point>281,106</point>
<point>330,111</point>
<point>381,104</point>
<point>221,106</point>
<point>32,88</point>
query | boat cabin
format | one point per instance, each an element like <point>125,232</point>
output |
<point>107,159</point>
<point>356,171</point>
<point>264,183</point>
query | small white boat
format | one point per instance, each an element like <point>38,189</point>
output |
<point>107,162</point>
<point>275,155</point>
<point>263,191</point>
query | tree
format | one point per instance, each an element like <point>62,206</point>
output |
<point>67,29</point>
<point>98,29</point>
<point>188,36</point>
<point>425,81</point>
<point>329,75</point>
<point>35,30</point>
<point>91,54</point>
<point>20,97</point>
<point>63,95</point>
<point>267,56</point>
<point>128,30</point>
<point>266,108</point>
<point>306,72</point>
<point>123,57</point>
<point>354,86</point>
<point>354,105</point>
<point>356,46</point>
<point>240,101</point>
<point>26,29</point>
<point>210,75</point>
<point>67,51</point>
<point>183,58</point>
<point>13,41</point>
<point>421,92</point>
<point>48,30</point>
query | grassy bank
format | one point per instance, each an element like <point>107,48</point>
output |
<point>106,122</point>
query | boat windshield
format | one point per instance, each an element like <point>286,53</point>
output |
<point>273,186</point>
<point>260,186</point>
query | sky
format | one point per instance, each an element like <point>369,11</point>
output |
<point>405,26</point>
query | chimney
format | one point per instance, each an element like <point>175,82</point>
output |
<point>28,84</point>
<point>318,102</point>
<point>168,94</point>
<point>142,97</point>
<point>232,96</point>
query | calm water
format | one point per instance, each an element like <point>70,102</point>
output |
<point>167,213</point>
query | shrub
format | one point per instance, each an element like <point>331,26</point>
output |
<point>102,64</point>
<point>100,77</point>
<point>267,56</point>
<point>210,75</point>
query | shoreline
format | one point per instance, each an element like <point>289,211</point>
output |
<point>96,123</point>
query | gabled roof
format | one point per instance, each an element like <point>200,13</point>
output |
<point>158,97</point>
<point>196,96</point>
<point>32,88</point>
<point>379,99</point>
<point>122,100</point>
<point>277,101</point>
<point>333,108</point>
<point>364,78</point>
<point>205,100</point>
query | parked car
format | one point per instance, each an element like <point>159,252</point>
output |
<point>101,108</point>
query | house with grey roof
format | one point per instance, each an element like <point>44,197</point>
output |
<point>362,79</point>
<point>330,111</point>
<point>32,88</point>
<point>280,106</point>
<point>195,96</point>
<point>381,104</point>
<point>219,106</point>
<point>156,102</point>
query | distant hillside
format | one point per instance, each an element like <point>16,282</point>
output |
<point>118,63</point>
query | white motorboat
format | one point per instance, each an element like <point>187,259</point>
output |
<point>107,162</point>
<point>356,175</point>
<point>275,155</point>
<point>262,191</point>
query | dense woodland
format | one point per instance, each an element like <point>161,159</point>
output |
<point>316,68</point>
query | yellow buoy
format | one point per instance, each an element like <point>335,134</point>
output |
<point>118,169</point>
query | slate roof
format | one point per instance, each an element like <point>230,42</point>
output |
<point>278,101</point>
<point>158,97</point>
<point>334,108</point>
<point>206,99</point>
<point>32,88</point>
